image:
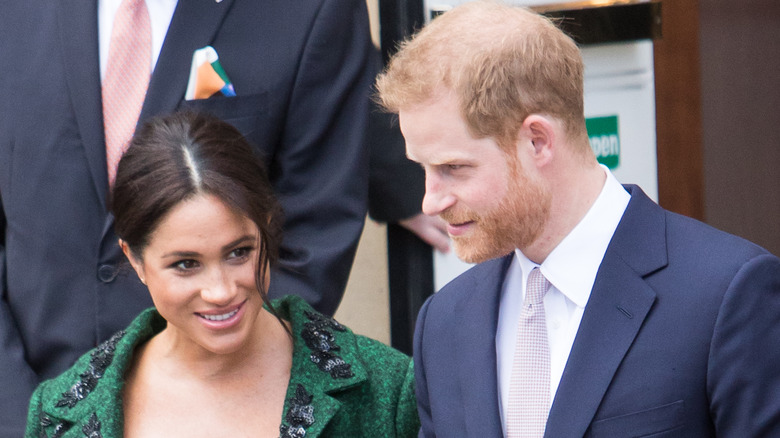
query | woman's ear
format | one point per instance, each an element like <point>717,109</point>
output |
<point>134,262</point>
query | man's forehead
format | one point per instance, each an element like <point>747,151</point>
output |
<point>434,155</point>
<point>448,147</point>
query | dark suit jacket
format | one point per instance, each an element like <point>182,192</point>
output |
<point>396,184</point>
<point>679,339</point>
<point>302,72</point>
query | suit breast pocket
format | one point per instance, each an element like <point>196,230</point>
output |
<point>243,112</point>
<point>659,422</point>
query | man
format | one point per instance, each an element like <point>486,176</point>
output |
<point>635,321</point>
<point>301,73</point>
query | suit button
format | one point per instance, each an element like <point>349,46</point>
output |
<point>107,273</point>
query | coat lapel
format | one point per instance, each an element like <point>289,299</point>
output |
<point>98,413</point>
<point>617,308</point>
<point>325,389</point>
<point>194,25</point>
<point>478,319</point>
<point>85,399</point>
<point>323,401</point>
<point>312,396</point>
<point>78,33</point>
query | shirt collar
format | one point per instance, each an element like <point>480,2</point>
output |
<point>572,265</point>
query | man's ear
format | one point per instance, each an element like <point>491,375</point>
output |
<point>539,131</point>
<point>137,265</point>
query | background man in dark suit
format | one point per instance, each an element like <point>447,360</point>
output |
<point>301,71</point>
<point>648,323</point>
<point>396,184</point>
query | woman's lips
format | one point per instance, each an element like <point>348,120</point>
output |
<point>221,319</point>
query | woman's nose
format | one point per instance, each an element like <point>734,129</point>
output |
<point>219,290</point>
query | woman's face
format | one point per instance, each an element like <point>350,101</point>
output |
<point>200,269</point>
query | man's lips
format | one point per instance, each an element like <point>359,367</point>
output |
<point>458,229</point>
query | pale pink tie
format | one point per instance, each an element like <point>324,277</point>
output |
<point>127,78</point>
<point>529,389</point>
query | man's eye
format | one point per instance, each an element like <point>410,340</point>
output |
<point>455,166</point>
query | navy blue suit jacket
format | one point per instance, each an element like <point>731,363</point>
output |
<point>302,70</point>
<point>679,339</point>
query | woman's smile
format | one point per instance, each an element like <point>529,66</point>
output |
<point>221,319</point>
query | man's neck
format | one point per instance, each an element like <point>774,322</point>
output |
<point>574,190</point>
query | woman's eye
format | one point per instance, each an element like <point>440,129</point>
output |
<point>240,253</point>
<point>185,265</point>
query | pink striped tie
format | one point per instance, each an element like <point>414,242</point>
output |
<point>529,389</point>
<point>127,77</point>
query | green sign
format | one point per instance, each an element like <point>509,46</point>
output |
<point>604,139</point>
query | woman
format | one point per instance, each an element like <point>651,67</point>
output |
<point>200,226</point>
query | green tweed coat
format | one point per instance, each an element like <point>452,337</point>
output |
<point>341,384</point>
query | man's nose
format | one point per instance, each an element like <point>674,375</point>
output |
<point>437,197</point>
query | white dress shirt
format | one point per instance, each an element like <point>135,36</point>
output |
<point>571,269</point>
<point>160,15</point>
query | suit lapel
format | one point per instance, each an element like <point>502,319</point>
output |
<point>615,312</point>
<point>478,318</point>
<point>194,25</point>
<point>617,308</point>
<point>78,33</point>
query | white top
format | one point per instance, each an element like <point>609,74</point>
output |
<point>160,15</point>
<point>571,269</point>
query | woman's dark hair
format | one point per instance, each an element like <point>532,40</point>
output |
<point>176,157</point>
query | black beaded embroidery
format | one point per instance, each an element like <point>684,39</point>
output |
<point>299,416</point>
<point>59,428</point>
<point>92,428</point>
<point>100,360</point>
<point>320,340</point>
